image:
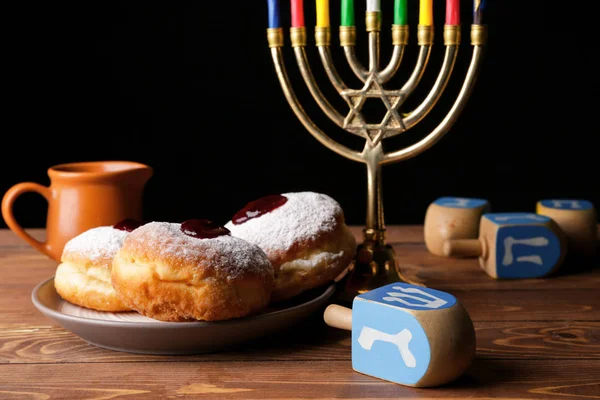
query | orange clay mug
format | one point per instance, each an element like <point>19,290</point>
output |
<point>81,196</point>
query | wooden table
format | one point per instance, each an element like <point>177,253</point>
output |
<point>535,339</point>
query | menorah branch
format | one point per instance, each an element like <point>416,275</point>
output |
<point>298,37</point>
<point>373,25</point>
<point>374,53</point>
<point>400,35</point>
<point>355,65</point>
<point>275,36</point>
<point>348,43</point>
<point>418,71</point>
<point>452,40</point>
<point>330,70</point>
<point>394,64</point>
<point>448,121</point>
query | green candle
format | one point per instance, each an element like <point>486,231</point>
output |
<point>347,13</point>
<point>400,13</point>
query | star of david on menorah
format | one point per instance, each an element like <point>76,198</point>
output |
<point>375,264</point>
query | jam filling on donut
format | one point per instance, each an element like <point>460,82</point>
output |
<point>203,229</point>
<point>256,208</point>
<point>128,224</point>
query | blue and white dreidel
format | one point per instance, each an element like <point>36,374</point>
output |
<point>407,334</point>
<point>578,220</point>
<point>514,245</point>
<point>452,218</point>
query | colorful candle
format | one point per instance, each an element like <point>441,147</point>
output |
<point>273,13</point>
<point>297,7</point>
<point>373,5</point>
<point>478,6</point>
<point>400,12</point>
<point>347,13</point>
<point>426,12</point>
<point>323,13</point>
<point>452,12</point>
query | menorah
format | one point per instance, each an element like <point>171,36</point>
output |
<point>375,263</point>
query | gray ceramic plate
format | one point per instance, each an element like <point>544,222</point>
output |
<point>134,333</point>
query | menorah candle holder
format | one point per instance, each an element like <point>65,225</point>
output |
<point>375,264</point>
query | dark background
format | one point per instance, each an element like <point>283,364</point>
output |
<point>189,88</point>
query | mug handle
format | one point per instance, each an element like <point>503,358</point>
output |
<point>8,201</point>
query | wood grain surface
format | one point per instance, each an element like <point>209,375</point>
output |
<point>536,339</point>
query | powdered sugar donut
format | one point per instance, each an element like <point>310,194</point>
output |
<point>191,271</point>
<point>83,277</point>
<point>304,235</point>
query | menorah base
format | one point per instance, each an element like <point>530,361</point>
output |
<point>374,266</point>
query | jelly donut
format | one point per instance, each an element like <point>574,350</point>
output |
<point>305,236</point>
<point>191,271</point>
<point>83,277</point>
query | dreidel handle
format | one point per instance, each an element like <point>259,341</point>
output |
<point>338,317</point>
<point>465,248</point>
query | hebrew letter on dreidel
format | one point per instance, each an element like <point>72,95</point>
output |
<point>457,202</point>
<point>429,301</point>
<point>509,217</point>
<point>533,242</point>
<point>578,221</point>
<point>368,336</point>
<point>510,241</point>
<point>573,204</point>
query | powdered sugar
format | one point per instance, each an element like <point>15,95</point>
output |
<point>322,258</point>
<point>97,244</point>
<point>302,217</point>
<point>229,256</point>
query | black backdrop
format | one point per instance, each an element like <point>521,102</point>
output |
<point>189,88</point>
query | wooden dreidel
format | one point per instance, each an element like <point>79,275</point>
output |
<point>407,334</point>
<point>514,245</point>
<point>452,218</point>
<point>579,222</point>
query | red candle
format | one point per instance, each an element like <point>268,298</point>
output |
<point>452,12</point>
<point>297,7</point>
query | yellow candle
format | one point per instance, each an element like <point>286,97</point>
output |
<point>323,13</point>
<point>426,12</point>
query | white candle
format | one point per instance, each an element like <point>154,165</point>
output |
<point>373,5</point>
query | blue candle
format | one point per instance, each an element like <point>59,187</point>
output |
<point>478,6</point>
<point>273,13</point>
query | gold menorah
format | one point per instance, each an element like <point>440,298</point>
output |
<point>375,263</point>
